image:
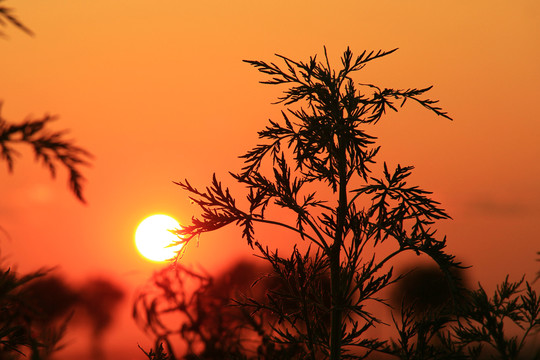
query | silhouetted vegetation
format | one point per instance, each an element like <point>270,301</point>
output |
<point>197,313</point>
<point>320,305</point>
<point>319,164</point>
<point>24,323</point>
<point>30,303</point>
<point>16,327</point>
<point>477,326</point>
<point>181,306</point>
<point>484,322</point>
<point>37,308</point>
<point>50,148</point>
<point>326,144</point>
<point>7,16</point>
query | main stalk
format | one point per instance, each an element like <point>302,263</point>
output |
<point>335,260</point>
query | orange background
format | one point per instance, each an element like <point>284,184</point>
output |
<point>157,92</point>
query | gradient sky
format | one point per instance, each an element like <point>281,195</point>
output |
<point>158,92</point>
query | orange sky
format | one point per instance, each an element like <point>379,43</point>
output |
<point>157,92</point>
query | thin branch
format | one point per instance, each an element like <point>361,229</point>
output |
<point>51,148</point>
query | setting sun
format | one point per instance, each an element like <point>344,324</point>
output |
<point>153,237</point>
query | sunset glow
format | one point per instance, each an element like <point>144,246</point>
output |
<point>153,238</point>
<point>158,93</point>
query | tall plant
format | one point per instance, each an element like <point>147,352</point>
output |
<point>321,141</point>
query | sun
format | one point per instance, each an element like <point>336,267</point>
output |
<point>153,238</point>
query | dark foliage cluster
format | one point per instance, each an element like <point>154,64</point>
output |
<point>198,314</point>
<point>22,323</point>
<point>36,309</point>
<point>429,325</point>
<point>31,322</point>
<point>483,322</point>
<point>480,327</point>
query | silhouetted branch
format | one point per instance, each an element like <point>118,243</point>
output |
<point>7,17</point>
<point>49,147</point>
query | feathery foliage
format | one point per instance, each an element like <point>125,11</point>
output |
<point>323,141</point>
<point>484,320</point>
<point>50,148</point>
<point>21,332</point>
<point>182,304</point>
<point>481,327</point>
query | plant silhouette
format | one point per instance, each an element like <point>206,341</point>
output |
<point>25,325</point>
<point>182,304</point>
<point>18,320</point>
<point>321,142</point>
<point>37,308</point>
<point>479,327</point>
<point>50,147</point>
<point>7,17</point>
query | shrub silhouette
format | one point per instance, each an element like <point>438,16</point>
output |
<point>202,314</point>
<point>37,308</point>
<point>323,142</point>
<point>425,288</point>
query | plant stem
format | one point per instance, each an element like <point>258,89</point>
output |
<point>335,261</point>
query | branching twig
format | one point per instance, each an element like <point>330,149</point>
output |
<point>50,148</point>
